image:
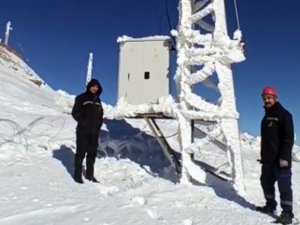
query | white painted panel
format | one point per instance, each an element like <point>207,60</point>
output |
<point>138,58</point>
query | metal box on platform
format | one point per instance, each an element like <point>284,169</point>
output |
<point>143,69</point>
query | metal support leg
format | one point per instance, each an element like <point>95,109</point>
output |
<point>169,153</point>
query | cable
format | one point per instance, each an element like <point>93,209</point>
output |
<point>16,128</point>
<point>173,45</point>
<point>161,28</point>
<point>168,15</point>
<point>237,14</point>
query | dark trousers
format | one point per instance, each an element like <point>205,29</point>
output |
<point>87,144</point>
<point>269,175</point>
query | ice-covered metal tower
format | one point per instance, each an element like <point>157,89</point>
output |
<point>7,31</point>
<point>205,49</point>
<point>89,68</point>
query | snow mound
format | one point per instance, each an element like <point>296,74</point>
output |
<point>14,62</point>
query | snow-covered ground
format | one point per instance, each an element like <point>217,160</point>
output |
<point>37,144</point>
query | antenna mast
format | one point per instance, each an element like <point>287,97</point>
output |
<point>7,31</point>
<point>89,68</point>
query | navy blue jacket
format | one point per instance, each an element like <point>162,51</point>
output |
<point>277,135</point>
<point>88,111</point>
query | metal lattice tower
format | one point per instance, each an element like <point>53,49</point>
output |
<point>204,48</point>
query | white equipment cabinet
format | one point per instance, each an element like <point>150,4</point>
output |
<point>143,69</point>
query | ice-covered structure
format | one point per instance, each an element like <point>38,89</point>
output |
<point>204,49</point>
<point>203,43</point>
<point>89,68</point>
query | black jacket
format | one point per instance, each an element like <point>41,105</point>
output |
<point>88,111</point>
<point>277,135</point>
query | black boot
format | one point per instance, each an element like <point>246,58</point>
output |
<point>285,218</point>
<point>90,161</point>
<point>78,179</point>
<point>93,179</point>
<point>78,171</point>
<point>266,209</point>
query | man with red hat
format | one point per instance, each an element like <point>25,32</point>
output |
<point>277,139</point>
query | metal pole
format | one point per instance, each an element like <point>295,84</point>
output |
<point>8,29</point>
<point>89,68</point>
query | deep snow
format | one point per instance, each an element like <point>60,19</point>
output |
<point>37,144</point>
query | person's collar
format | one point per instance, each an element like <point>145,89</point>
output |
<point>273,107</point>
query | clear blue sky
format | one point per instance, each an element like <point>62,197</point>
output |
<point>56,37</point>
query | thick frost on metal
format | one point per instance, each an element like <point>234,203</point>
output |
<point>214,52</point>
<point>165,105</point>
<point>203,49</point>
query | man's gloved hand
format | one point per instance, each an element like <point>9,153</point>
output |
<point>283,163</point>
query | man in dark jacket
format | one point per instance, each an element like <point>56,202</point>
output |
<point>277,139</point>
<point>88,113</point>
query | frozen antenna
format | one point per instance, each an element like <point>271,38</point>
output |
<point>7,31</point>
<point>89,68</point>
